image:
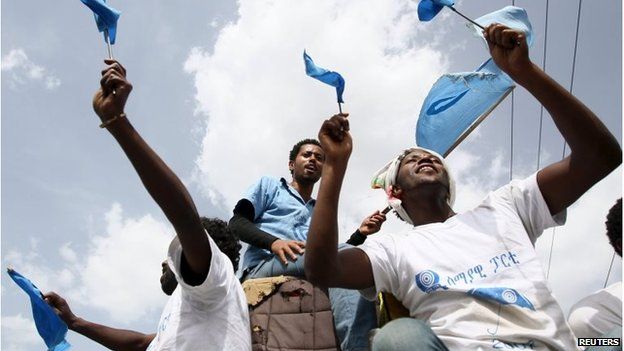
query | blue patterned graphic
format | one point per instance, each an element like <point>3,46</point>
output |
<point>429,281</point>
<point>505,296</point>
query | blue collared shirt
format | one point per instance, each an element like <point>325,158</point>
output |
<point>279,211</point>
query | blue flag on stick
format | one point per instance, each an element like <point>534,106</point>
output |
<point>457,103</point>
<point>328,77</point>
<point>428,9</point>
<point>105,17</point>
<point>50,326</point>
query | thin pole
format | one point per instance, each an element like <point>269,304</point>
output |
<point>340,108</point>
<point>466,18</point>
<point>609,272</point>
<point>108,45</point>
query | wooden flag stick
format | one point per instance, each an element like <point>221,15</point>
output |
<point>467,19</point>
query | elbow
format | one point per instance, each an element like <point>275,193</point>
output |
<point>315,275</point>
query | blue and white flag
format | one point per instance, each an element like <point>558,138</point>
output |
<point>105,17</point>
<point>428,9</point>
<point>328,77</point>
<point>50,326</point>
<point>458,102</point>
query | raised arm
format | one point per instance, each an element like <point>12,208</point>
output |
<point>370,225</point>
<point>324,265</point>
<point>594,151</point>
<point>112,338</point>
<point>161,183</point>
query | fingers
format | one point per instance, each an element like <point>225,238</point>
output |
<point>113,64</point>
<point>297,246</point>
<point>500,35</point>
<point>289,252</point>
<point>282,257</point>
<point>336,127</point>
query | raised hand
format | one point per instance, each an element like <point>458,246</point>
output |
<point>61,308</point>
<point>508,48</point>
<point>372,224</point>
<point>336,139</point>
<point>109,101</point>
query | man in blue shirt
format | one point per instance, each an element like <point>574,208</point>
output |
<point>273,218</point>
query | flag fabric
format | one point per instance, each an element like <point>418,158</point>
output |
<point>428,9</point>
<point>328,77</point>
<point>510,16</point>
<point>105,17</point>
<point>49,325</point>
<point>458,102</point>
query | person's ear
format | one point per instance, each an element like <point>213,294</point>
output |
<point>291,166</point>
<point>397,192</point>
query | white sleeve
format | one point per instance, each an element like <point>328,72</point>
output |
<point>526,199</point>
<point>381,252</point>
<point>216,285</point>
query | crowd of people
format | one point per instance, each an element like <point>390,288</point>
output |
<point>470,280</point>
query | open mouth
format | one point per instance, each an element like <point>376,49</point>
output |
<point>425,168</point>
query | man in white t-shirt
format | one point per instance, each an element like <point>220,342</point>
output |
<point>600,313</point>
<point>208,311</point>
<point>471,281</point>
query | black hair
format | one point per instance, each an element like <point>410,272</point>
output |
<point>225,239</point>
<point>295,149</point>
<point>614,226</point>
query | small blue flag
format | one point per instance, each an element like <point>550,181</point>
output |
<point>50,326</point>
<point>105,17</point>
<point>428,9</point>
<point>457,103</point>
<point>328,77</point>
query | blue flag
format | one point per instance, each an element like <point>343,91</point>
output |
<point>105,17</point>
<point>428,9</point>
<point>328,77</point>
<point>457,103</point>
<point>50,326</point>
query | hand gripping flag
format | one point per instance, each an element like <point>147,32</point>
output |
<point>105,17</point>
<point>50,326</point>
<point>428,9</point>
<point>458,102</point>
<point>328,77</point>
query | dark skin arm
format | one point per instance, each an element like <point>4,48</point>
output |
<point>112,338</point>
<point>594,150</point>
<point>159,180</point>
<point>325,265</point>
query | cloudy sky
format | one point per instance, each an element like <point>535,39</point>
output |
<point>220,93</point>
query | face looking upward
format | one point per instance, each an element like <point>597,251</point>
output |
<point>308,165</point>
<point>420,169</point>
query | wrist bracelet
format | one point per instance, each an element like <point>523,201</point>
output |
<point>105,124</point>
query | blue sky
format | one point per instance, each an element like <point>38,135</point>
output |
<point>220,93</point>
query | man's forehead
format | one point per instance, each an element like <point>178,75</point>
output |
<point>310,147</point>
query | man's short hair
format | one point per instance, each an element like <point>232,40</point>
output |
<point>614,226</point>
<point>297,147</point>
<point>225,239</point>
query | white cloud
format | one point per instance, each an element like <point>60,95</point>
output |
<point>259,102</point>
<point>19,333</point>
<point>118,273</point>
<point>21,69</point>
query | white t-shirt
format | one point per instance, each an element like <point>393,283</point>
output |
<point>475,279</point>
<point>210,316</point>
<point>598,313</point>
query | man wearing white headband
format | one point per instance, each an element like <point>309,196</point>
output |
<point>472,280</point>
